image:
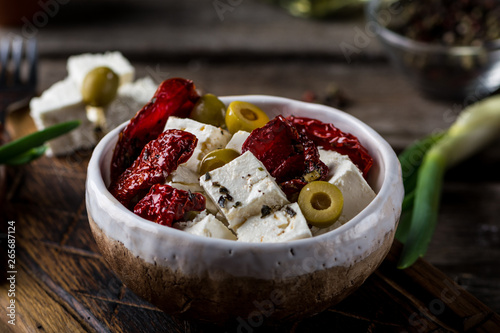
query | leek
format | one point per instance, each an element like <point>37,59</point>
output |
<point>476,127</point>
<point>411,159</point>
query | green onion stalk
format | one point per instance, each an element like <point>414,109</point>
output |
<point>424,165</point>
<point>30,147</point>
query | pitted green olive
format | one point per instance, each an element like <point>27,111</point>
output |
<point>217,158</point>
<point>100,86</point>
<point>321,203</point>
<point>209,110</point>
<point>244,116</point>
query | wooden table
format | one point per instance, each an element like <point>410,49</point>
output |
<point>62,283</point>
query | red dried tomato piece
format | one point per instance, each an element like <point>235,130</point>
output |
<point>166,205</point>
<point>328,137</point>
<point>292,187</point>
<point>274,145</point>
<point>158,159</point>
<point>174,97</point>
<point>286,154</point>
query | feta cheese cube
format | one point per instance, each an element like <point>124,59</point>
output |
<point>348,178</point>
<point>206,225</point>
<point>79,65</point>
<point>209,138</point>
<point>184,175</point>
<point>333,160</point>
<point>237,140</point>
<point>241,188</point>
<point>130,98</point>
<point>63,102</point>
<point>283,225</point>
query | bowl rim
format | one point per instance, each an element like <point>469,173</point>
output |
<point>391,175</point>
<point>408,43</point>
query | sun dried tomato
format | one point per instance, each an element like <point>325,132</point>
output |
<point>158,159</point>
<point>174,97</point>
<point>328,137</point>
<point>166,205</point>
<point>292,188</point>
<point>288,156</point>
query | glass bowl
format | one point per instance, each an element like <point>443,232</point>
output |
<point>321,9</point>
<point>446,72</point>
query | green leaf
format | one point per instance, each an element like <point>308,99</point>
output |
<point>404,226</point>
<point>405,218</point>
<point>424,164</point>
<point>24,144</point>
<point>425,210</point>
<point>411,159</point>
<point>28,156</point>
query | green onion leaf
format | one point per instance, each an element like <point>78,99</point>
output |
<point>425,210</point>
<point>474,129</point>
<point>28,156</point>
<point>411,159</point>
<point>404,226</point>
<point>408,201</point>
<point>23,145</point>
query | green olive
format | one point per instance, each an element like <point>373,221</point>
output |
<point>217,158</point>
<point>100,86</point>
<point>209,110</point>
<point>321,203</point>
<point>244,116</point>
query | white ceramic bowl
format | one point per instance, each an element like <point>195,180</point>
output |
<point>220,280</point>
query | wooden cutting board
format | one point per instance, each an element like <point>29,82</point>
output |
<point>62,284</point>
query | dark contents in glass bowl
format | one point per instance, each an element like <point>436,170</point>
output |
<point>448,22</point>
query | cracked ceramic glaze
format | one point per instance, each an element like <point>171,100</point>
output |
<point>195,256</point>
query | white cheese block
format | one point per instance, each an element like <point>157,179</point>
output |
<point>130,98</point>
<point>79,65</point>
<point>63,102</point>
<point>184,175</point>
<point>333,160</point>
<point>206,225</point>
<point>284,225</point>
<point>241,188</point>
<point>209,138</point>
<point>237,140</point>
<point>348,178</point>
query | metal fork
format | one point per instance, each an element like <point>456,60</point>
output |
<point>16,87</point>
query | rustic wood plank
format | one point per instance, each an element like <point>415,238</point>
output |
<point>37,308</point>
<point>6,328</point>
<point>439,297</point>
<point>94,292</point>
<point>490,326</point>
